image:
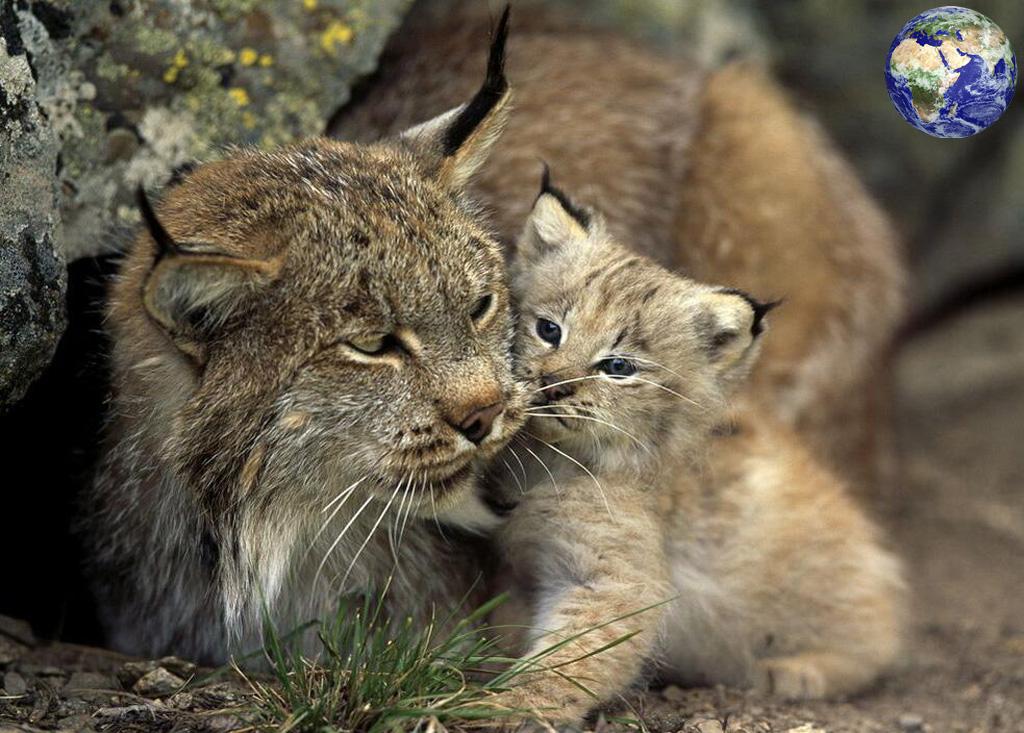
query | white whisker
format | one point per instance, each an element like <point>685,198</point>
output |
<point>351,521</point>
<point>347,493</point>
<point>519,461</point>
<point>646,361</point>
<point>597,483</point>
<point>634,377</point>
<point>568,381</point>
<point>593,419</point>
<point>344,493</point>
<point>522,489</point>
<point>408,512</point>
<point>684,398</point>
<point>369,536</point>
<point>554,484</point>
<point>433,508</point>
<point>392,529</point>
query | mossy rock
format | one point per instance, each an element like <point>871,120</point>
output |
<point>32,273</point>
<point>135,88</point>
<point>98,97</point>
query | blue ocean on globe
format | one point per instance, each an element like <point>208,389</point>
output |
<point>951,72</point>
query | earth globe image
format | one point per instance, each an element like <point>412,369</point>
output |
<point>951,72</point>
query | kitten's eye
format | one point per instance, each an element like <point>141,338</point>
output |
<point>549,331</point>
<point>617,367</point>
<point>482,307</point>
<point>373,343</point>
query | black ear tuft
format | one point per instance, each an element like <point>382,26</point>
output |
<point>181,172</point>
<point>494,88</point>
<point>165,243</point>
<point>582,216</point>
<point>760,309</point>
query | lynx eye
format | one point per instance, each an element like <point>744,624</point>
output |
<point>371,344</point>
<point>482,307</point>
<point>617,367</point>
<point>549,331</point>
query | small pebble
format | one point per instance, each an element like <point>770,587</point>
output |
<point>674,693</point>
<point>911,723</point>
<point>158,683</point>
<point>710,726</point>
<point>14,684</point>
<point>90,681</point>
<point>131,672</point>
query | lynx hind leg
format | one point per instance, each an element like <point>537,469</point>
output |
<point>812,676</point>
<point>825,598</point>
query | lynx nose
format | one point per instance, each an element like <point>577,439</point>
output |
<point>478,423</point>
<point>555,388</point>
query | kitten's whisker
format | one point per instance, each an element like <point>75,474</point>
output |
<point>647,361</point>
<point>684,398</point>
<point>568,381</point>
<point>597,483</point>
<point>568,416</point>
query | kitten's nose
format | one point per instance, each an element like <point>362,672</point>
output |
<point>556,388</point>
<point>478,423</point>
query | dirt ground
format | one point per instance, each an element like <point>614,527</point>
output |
<point>958,522</point>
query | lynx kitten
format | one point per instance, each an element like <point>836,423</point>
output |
<point>656,525</point>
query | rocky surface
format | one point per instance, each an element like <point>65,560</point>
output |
<point>132,89</point>
<point>32,272</point>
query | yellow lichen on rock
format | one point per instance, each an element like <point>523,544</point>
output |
<point>248,56</point>
<point>335,34</point>
<point>239,95</point>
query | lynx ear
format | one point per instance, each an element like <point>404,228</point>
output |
<point>457,143</point>
<point>554,222</point>
<point>192,287</point>
<point>731,323</point>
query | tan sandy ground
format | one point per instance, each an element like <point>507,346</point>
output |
<point>959,524</point>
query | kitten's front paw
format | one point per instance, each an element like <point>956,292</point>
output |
<point>528,708</point>
<point>790,678</point>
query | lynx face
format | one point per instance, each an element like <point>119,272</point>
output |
<point>341,313</point>
<point>622,355</point>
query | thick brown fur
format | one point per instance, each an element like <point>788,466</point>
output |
<point>703,541</point>
<point>312,357</point>
<point>714,173</point>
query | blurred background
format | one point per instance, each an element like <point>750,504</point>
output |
<point>958,203</point>
<point>96,98</point>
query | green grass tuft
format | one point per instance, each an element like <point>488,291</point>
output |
<point>373,676</point>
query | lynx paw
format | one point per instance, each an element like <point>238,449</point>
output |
<point>526,708</point>
<point>791,678</point>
